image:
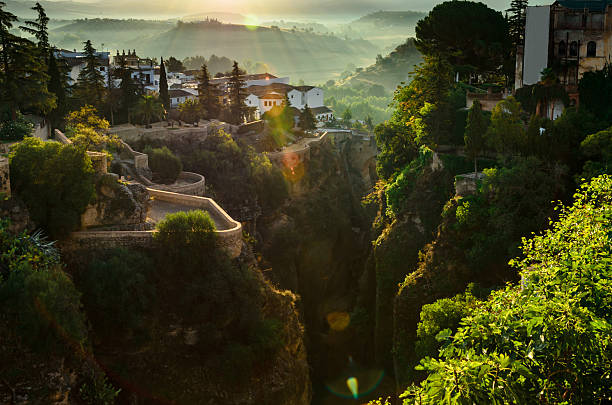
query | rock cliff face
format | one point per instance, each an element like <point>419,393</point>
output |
<point>317,246</point>
<point>116,204</point>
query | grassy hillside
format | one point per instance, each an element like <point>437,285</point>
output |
<point>384,28</point>
<point>391,70</point>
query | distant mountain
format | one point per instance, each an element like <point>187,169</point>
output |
<point>228,18</point>
<point>56,9</point>
<point>310,56</point>
<point>388,71</point>
<point>391,18</point>
<point>383,28</point>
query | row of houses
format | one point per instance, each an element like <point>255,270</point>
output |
<point>264,90</point>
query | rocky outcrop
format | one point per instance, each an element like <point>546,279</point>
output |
<point>119,205</point>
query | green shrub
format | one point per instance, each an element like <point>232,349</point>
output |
<point>15,130</point>
<point>33,249</point>
<point>55,181</point>
<point>186,238</point>
<point>45,307</point>
<point>125,274</point>
<point>164,164</point>
<point>98,391</point>
<point>548,339</point>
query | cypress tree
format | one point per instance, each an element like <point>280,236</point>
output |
<point>163,86</point>
<point>58,85</point>
<point>129,91</point>
<point>208,94</point>
<point>307,119</point>
<point>237,95</point>
<point>475,131</point>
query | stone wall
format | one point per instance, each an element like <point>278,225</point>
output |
<point>61,138</point>
<point>229,232</point>
<point>195,185</point>
<point>5,177</point>
<point>467,184</point>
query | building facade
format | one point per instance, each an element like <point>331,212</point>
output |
<point>571,37</point>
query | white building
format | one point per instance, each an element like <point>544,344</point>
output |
<point>264,98</point>
<point>180,96</point>
<point>76,62</point>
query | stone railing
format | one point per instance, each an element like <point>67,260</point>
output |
<point>61,138</point>
<point>229,231</point>
<point>188,183</point>
<point>5,178</point>
<point>467,184</point>
<point>141,160</point>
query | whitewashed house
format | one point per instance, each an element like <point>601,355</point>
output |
<point>264,98</point>
<point>180,96</point>
<point>76,62</point>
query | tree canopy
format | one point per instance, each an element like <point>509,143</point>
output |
<point>469,35</point>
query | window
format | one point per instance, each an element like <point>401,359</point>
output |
<point>102,68</point>
<point>591,49</point>
<point>573,48</point>
<point>562,48</point>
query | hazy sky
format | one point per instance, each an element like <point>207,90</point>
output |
<point>319,9</point>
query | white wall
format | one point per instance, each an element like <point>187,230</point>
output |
<point>536,43</point>
<point>314,98</point>
<point>296,99</point>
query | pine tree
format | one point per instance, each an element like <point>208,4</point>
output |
<point>516,21</point>
<point>475,131</point>
<point>163,86</point>
<point>39,29</point>
<point>8,42</point>
<point>208,94</point>
<point>129,91</point>
<point>307,119</point>
<point>90,84</point>
<point>58,85</point>
<point>237,96</point>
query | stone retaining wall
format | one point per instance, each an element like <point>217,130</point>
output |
<point>61,138</point>
<point>5,178</point>
<point>229,234</point>
<point>196,186</point>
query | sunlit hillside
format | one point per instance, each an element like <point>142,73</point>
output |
<point>303,55</point>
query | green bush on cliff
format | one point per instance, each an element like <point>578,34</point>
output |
<point>125,274</point>
<point>547,339</point>
<point>513,201</point>
<point>37,298</point>
<point>164,164</point>
<point>197,281</point>
<point>55,181</point>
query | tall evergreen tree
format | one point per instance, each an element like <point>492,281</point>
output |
<point>307,119</point>
<point>237,96</point>
<point>208,93</point>
<point>475,131</point>
<point>58,85</point>
<point>516,22</point>
<point>130,91</point>
<point>90,84</point>
<point>163,86</point>
<point>8,42</point>
<point>38,28</point>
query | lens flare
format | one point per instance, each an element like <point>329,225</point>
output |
<point>355,381</point>
<point>353,385</point>
<point>251,22</point>
<point>338,321</point>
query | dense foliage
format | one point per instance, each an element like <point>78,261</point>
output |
<point>166,166</point>
<point>127,275</point>
<point>547,339</point>
<point>221,298</point>
<point>55,181</point>
<point>37,298</point>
